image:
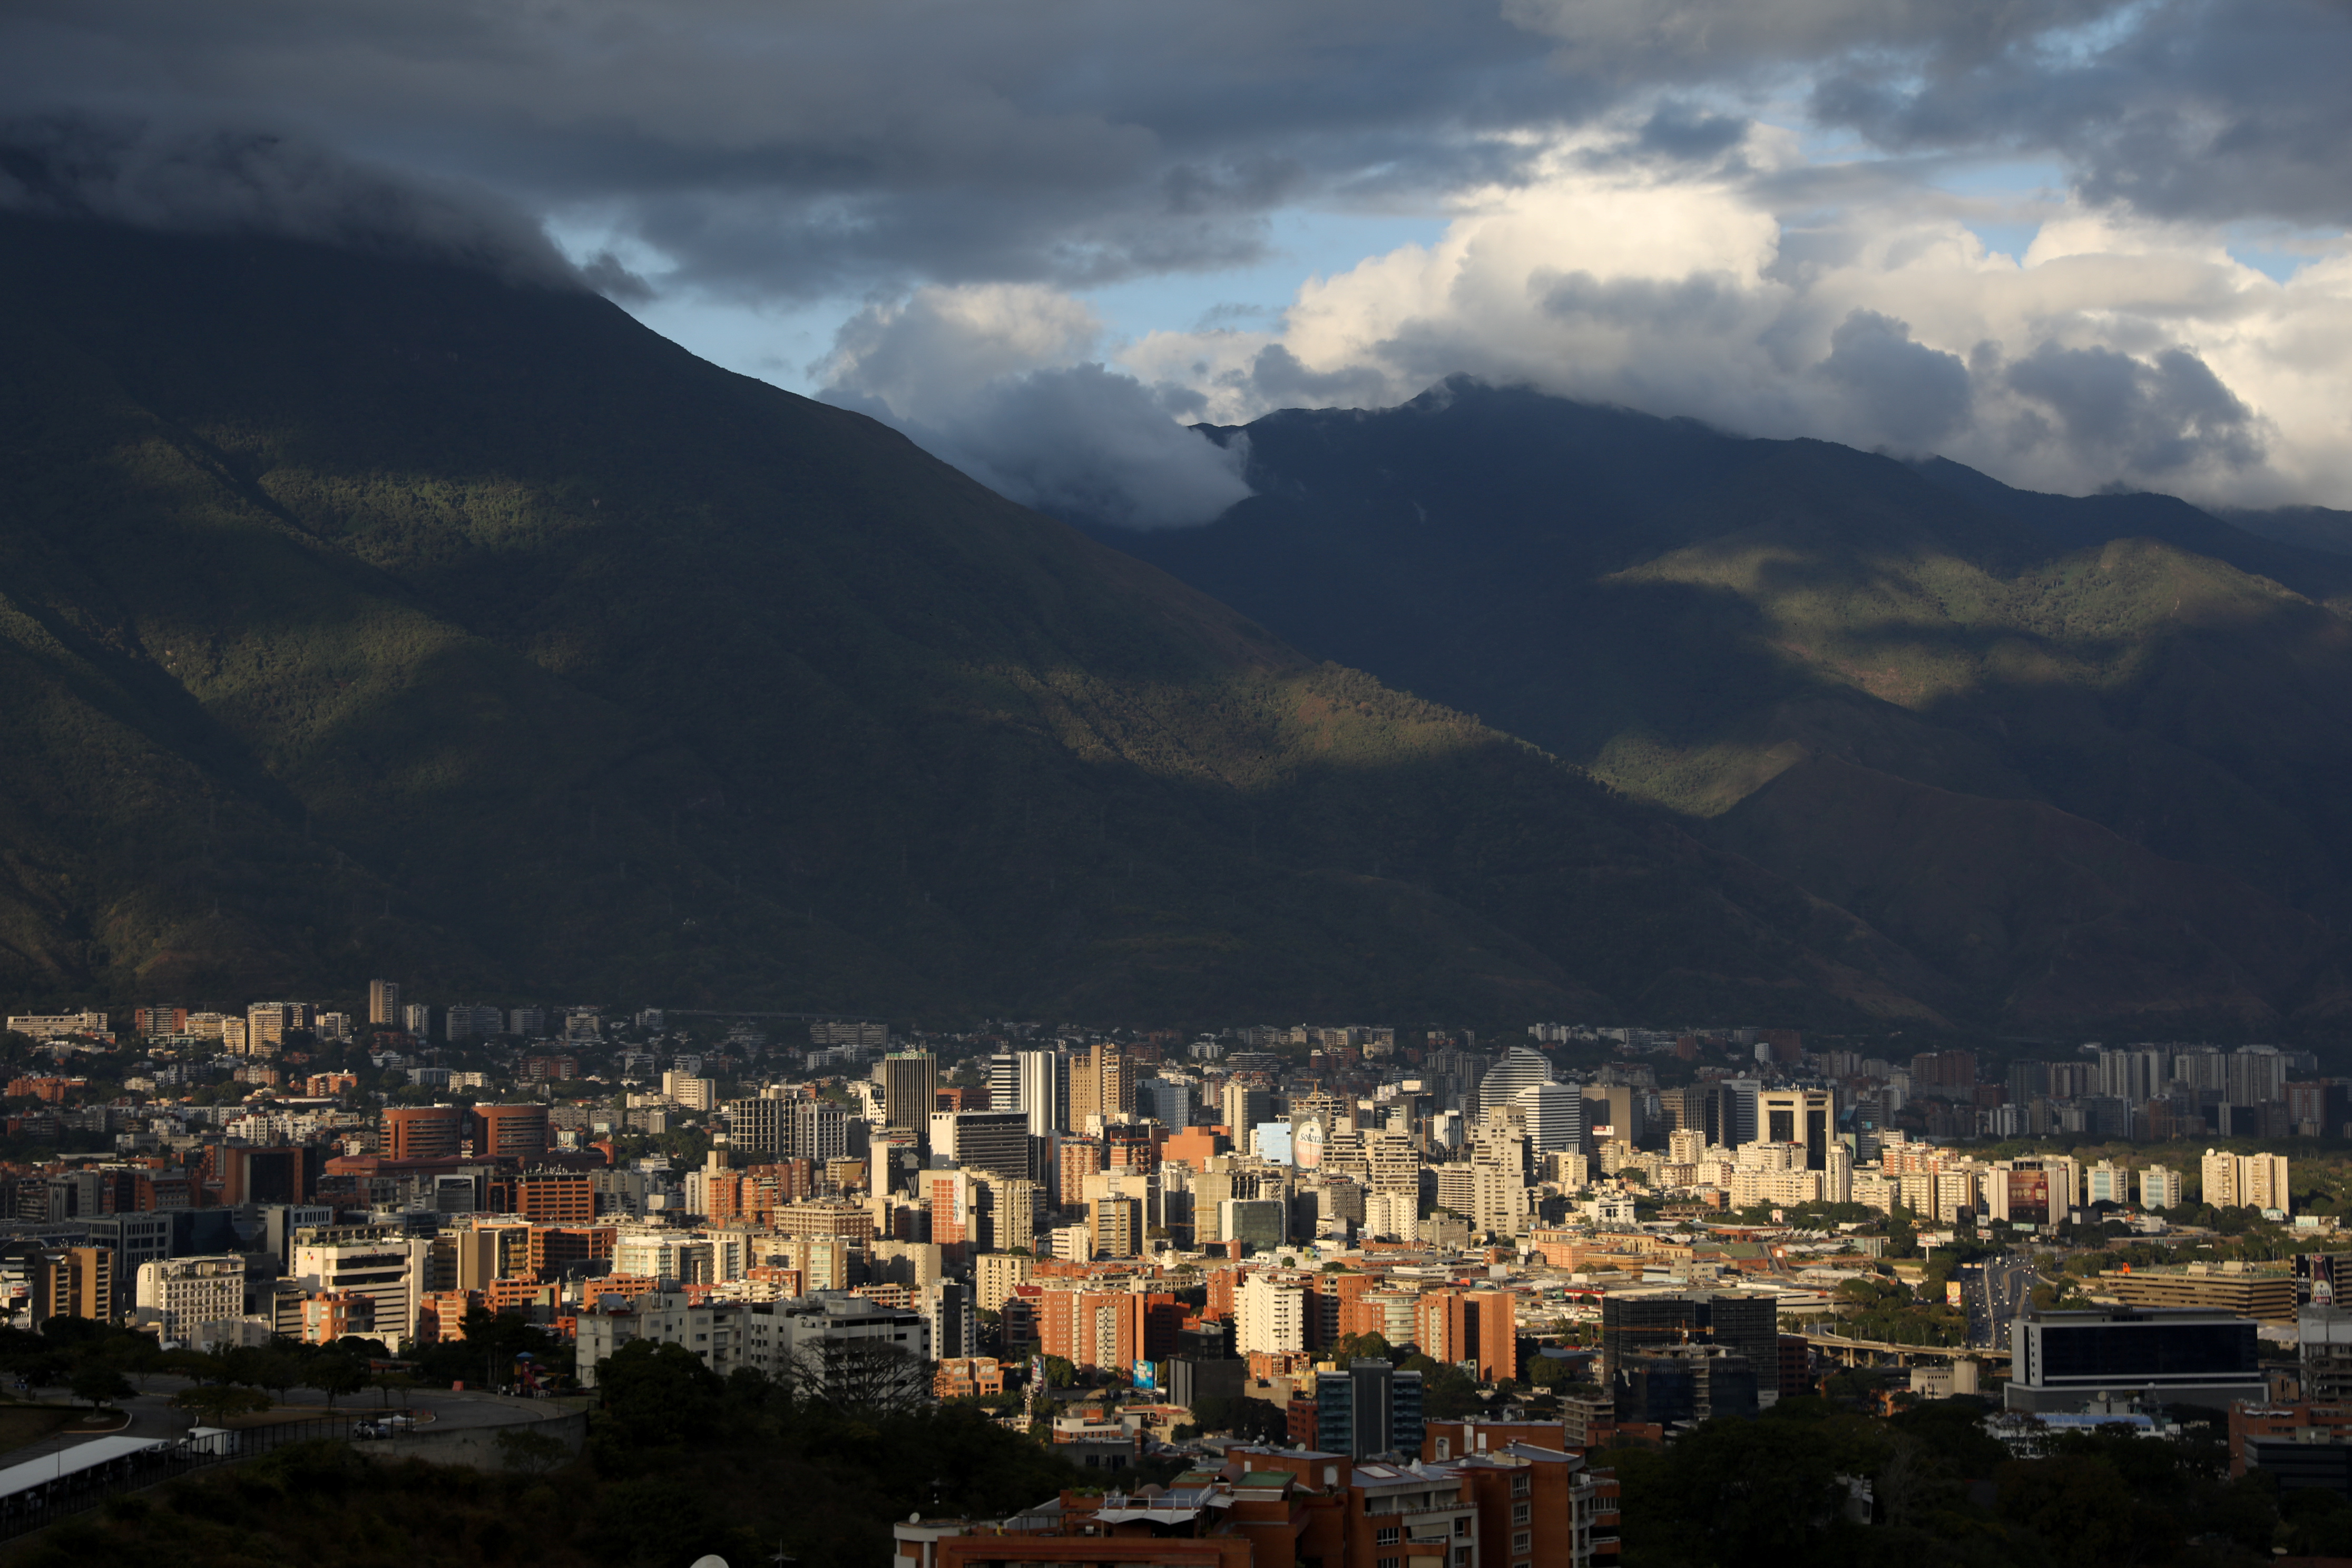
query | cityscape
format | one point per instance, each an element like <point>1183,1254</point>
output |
<point>1550,783</point>
<point>1205,1268</point>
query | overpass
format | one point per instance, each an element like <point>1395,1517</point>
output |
<point>1853,1350</point>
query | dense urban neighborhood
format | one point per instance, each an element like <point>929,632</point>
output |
<point>1255,1290</point>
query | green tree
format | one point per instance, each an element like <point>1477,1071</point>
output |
<point>334,1375</point>
<point>99,1383</point>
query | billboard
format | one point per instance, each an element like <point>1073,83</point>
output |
<point>2029,1196</point>
<point>1306,1143</point>
<point>1147,1376</point>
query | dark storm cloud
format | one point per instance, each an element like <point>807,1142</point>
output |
<point>2197,108</point>
<point>227,181</point>
<point>1912,395</point>
<point>806,149</point>
<point>2150,417</point>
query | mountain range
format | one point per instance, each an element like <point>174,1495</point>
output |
<point>363,615</point>
<point>368,615</point>
<point>2079,757</point>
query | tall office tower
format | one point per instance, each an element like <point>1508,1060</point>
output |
<point>911,1090</point>
<point>1519,1069</point>
<point>759,1126</point>
<point>1045,1091</point>
<point>818,1130</point>
<point>1555,1116</point>
<point>1243,1106</point>
<point>2257,1074</point>
<point>1102,1084</point>
<point>1686,1110</point>
<point>1371,1408</point>
<point>1837,1176</point>
<point>2135,1074</point>
<point>1114,1081</point>
<point>1004,1082</point>
<point>1168,1104</point>
<point>1739,1110</point>
<point>383,1003</point>
<point>992,1141</point>
<point>1799,1116</point>
<point>417,1018</point>
<point>1009,1211</point>
<point>1617,1107</point>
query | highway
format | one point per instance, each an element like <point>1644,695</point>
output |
<point>1995,1291</point>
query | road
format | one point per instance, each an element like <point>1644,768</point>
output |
<point>1995,1291</point>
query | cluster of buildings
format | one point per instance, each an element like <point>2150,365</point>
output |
<point>1228,1216</point>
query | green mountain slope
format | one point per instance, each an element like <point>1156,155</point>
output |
<point>362,616</point>
<point>1694,617</point>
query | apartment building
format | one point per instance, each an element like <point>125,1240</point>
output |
<point>193,1300</point>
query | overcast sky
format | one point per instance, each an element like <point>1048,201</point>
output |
<point>2071,242</point>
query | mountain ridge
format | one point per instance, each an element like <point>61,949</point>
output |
<point>366,614</point>
<point>1691,613</point>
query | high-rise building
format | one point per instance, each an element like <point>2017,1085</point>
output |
<point>1004,1082</point>
<point>1270,1315</point>
<point>1255,1223</point>
<point>1369,1409</point>
<point>417,1018</point>
<point>517,1132</point>
<point>420,1132</point>
<point>1613,1111</point>
<point>383,1003</point>
<point>528,1023</point>
<point>990,1141</point>
<point>1242,1107</point>
<point>819,1131</point>
<point>1745,1322</point>
<point>910,1084</point>
<point>1118,1224</point>
<point>2063,1360</point>
<point>69,1282</point>
<point>390,1269</point>
<point>1008,1210</point>
<point>2257,1075</point>
<point>1044,1090</point>
<point>1555,1116</point>
<point>2160,1188</point>
<point>193,1301</point>
<point>1168,1104</point>
<point>759,1126</point>
<point>1804,1117</point>
<point>1520,1068</point>
<point>2244,1181</point>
